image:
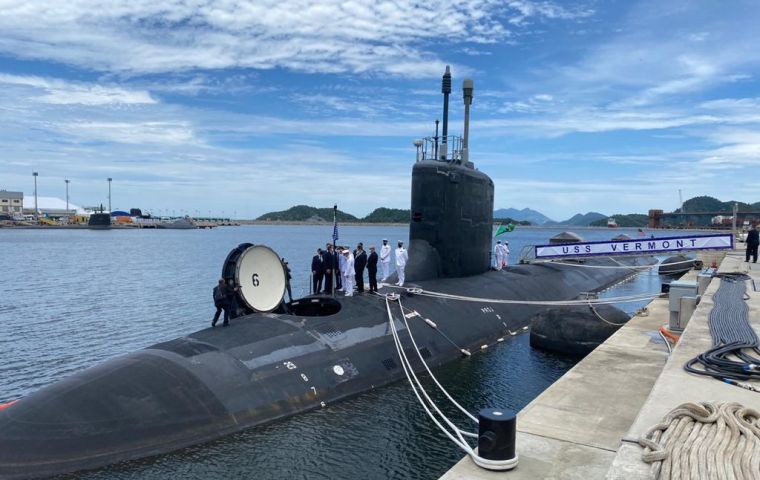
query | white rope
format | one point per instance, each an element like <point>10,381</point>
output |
<point>618,267</point>
<point>412,378</point>
<point>433,325</point>
<point>604,319</point>
<point>427,368</point>
<point>415,384</point>
<point>422,389</point>
<point>667,342</point>
<point>604,301</point>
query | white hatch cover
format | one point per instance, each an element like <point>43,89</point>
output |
<point>261,277</point>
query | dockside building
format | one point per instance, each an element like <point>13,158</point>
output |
<point>11,203</point>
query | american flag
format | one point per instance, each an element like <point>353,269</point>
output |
<point>335,224</point>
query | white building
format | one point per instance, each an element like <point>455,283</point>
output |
<point>11,203</point>
<point>51,206</point>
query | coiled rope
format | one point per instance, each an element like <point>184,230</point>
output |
<point>734,341</point>
<point>705,441</point>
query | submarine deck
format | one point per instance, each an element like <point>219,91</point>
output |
<point>586,424</point>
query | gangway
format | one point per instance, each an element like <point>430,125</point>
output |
<point>616,248</point>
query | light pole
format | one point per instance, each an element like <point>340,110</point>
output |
<point>34,174</point>
<point>109,194</point>
<point>67,197</point>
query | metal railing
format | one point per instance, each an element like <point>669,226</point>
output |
<point>432,148</point>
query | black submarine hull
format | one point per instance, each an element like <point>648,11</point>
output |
<point>264,367</point>
<point>269,366</point>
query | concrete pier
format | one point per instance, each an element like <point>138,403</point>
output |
<point>585,425</point>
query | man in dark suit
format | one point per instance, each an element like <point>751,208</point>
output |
<point>372,269</point>
<point>327,262</point>
<point>360,263</point>
<point>317,272</point>
<point>753,240</point>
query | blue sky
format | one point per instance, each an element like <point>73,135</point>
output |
<point>248,107</point>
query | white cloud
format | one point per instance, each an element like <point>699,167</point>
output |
<point>60,92</point>
<point>534,104</point>
<point>525,10</point>
<point>143,36</point>
<point>129,132</point>
<point>473,52</point>
<point>661,55</point>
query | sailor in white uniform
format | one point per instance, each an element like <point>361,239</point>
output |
<point>348,273</point>
<point>498,252</point>
<point>341,267</point>
<point>505,250</point>
<point>385,259</point>
<point>401,259</point>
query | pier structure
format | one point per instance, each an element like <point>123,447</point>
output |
<point>587,424</point>
<point>661,219</point>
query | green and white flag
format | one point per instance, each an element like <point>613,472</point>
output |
<point>504,229</point>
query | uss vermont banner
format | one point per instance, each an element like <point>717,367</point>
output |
<point>637,247</point>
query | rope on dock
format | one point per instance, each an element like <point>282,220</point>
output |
<point>735,354</point>
<point>705,441</point>
<point>591,306</point>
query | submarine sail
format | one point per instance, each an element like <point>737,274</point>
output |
<point>452,206</point>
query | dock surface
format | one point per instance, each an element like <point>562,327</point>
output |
<point>585,426</point>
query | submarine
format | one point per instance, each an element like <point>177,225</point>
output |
<point>278,359</point>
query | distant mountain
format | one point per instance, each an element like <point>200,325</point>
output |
<point>581,220</point>
<point>712,204</point>
<point>630,220</point>
<point>388,215</point>
<point>526,214</point>
<point>305,213</point>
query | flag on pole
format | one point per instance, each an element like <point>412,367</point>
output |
<point>335,224</point>
<point>504,229</point>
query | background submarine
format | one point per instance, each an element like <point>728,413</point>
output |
<point>271,365</point>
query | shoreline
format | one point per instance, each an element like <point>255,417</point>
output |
<point>352,224</point>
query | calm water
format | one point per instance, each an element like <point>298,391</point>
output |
<point>73,298</point>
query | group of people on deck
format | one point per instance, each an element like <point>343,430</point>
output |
<point>347,267</point>
<point>501,254</point>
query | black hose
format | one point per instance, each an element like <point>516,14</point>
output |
<point>735,354</point>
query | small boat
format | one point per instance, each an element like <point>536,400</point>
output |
<point>611,223</point>
<point>185,223</point>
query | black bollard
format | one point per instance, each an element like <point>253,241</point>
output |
<point>497,431</point>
